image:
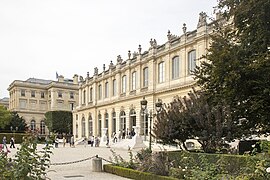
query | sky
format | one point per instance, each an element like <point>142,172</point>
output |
<point>41,37</point>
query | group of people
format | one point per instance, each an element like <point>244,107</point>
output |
<point>4,148</point>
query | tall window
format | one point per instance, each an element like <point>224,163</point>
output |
<point>133,80</point>
<point>83,127</point>
<point>124,84</point>
<point>42,95</point>
<point>114,121</point>
<point>114,87</point>
<point>33,125</point>
<point>71,95</point>
<point>175,67</point>
<point>122,120</point>
<point>145,77</point>
<point>90,125</point>
<point>60,95</point>
<point>106,90</point>
<point>91,95</point>
<point>42,127</point>
<point>23,92</point>
<point>191,61</point>
<point>99,92</point>
<point>84,96</point>
<point>161,72</point>
<point>99,125</point>
<point>106,120</point>
<point>33,94</point>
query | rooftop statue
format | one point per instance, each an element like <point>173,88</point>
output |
<point>202,19</point>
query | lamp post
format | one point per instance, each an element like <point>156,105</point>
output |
<point>150,135</point>
<point>143,108</point>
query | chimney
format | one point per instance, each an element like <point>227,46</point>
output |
<point>61,78</point>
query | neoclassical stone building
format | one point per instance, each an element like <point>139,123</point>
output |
<point>34,97</point>
<point>111,98</point>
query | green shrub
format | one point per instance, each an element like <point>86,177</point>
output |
<point>133,174</point>
<point>28,162</point>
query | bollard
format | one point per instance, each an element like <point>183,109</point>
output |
<point>97,164</point>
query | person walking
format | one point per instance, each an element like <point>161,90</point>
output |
<point>64,141</point>
<point>72,143</point>
<point>12,142</point>
<point>4,141</point>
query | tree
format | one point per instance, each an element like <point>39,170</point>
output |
<point>193,117</point>
<point>5,116</point>
<point>237,69</point>
<point>59,121</point>
<point>16,122</point>
<point>172,125</point>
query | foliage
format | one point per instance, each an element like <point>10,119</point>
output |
<point>5,116</point>
<point>193,117</point>
<point>17,123</point>
<point>59,121</point>
<point>119,161</point>
<point>29,163</point>
<point>172,124</point>
<point>133,174</point>
<point>144,161</point>
<point>218,166</point>
<point>237,69</point>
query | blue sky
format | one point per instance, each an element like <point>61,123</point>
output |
<point>41,37</point>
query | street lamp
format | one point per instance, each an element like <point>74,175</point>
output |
<point>158,106</point>
<point>143,108</point>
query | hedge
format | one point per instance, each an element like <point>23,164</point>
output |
<point>231,164</point>
<point>133,174</point>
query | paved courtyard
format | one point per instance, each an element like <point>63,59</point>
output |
<point>83,169</point>
<point>80,170</point>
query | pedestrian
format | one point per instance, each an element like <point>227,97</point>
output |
<point>114,137</point>
<point>92,138</point>
<point>84,141</point>
<point>5,142</point>
<point>72,144</point>
<point>64,141</point>
<point>12,142</point>
<point>108,141</point>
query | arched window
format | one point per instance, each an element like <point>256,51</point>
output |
<point>175,67</point>
<point>124,84</point>
<point>42,127</point>
<point>114,122</point>
<point>99,125</point>
<point>83,127</point>
<point>161,72</point>
<point>191,61</point>
<point>106,120</point>
<point>90,125</point>
<point>122,120</point>
<point>132,118</point>
<point>133,80</point>
<point>33,125</point>
<point>145,77</point>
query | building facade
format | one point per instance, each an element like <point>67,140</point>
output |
<point>34,97</point>
<point>4,102</point>
<point>111,99</point>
